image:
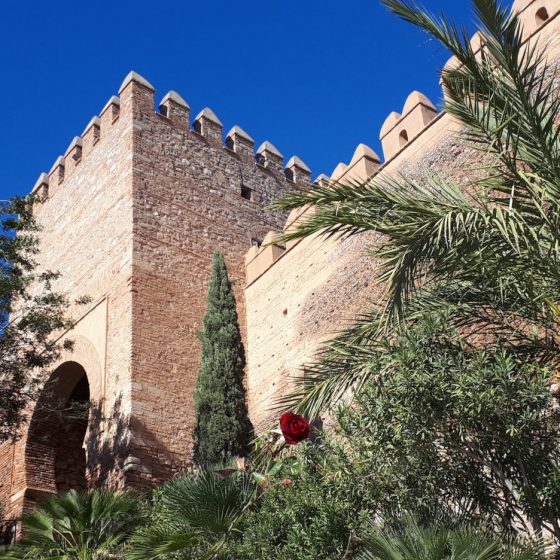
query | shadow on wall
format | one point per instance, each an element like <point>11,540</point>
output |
<point>8,531</point>
<point>122,452</point>
<point>107,445</point>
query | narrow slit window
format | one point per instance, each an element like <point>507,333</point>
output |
<point>246,192</point>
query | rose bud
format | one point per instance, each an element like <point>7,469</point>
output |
<point>295,428</point>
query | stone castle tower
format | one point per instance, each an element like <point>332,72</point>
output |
<point>134,210</point>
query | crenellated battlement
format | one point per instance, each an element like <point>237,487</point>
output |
<point>535,14</point>
<point>79,148</point>
<point>135,94</point>
<point>364,163</point>
<point>134,210</point>
<point>401,128</point>
<point>401,131</point>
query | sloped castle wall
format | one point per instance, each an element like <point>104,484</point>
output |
<point>300,295</point>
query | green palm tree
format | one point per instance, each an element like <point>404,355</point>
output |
<point>192,513</point>
<point>414,541</point>
<point>487,254</point>
<point>78,526</point>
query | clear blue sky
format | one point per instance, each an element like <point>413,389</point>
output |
<point>315,77</point>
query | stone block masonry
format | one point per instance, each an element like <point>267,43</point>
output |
<point>191,196</point>
<point>134,211</point>
<point>336,280</point>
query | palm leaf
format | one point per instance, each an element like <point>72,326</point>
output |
<point>488,257</point>
<point>79,525</point>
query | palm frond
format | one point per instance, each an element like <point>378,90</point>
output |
<point>205,501</point>
<point>161,540</point>
<point>411,540</point>
<point>78,525</point>
<point>200,508</point>
<point>488,257</point>
<point>341,368</point>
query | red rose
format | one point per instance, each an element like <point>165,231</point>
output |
<point>294,427</point>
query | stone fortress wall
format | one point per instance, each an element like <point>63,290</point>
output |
<point>87,233</point>
<point>133,212</point>
<point>301,294</point>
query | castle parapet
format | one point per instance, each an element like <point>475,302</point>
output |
<point>339,171</point>
<point>136,99</point>
<point>81,146</point>
<point>322,180</point>
<point>259,259</point>
<point>364,163</point>
<point>295,218</point>
<point>136,94</point>
<point>73,155</point>
<point>207,124</point>
<point>41,187</point>
<point>110,113</point>
<point>399,130</point>
<point>270,158</point>
<point>535,14</point>
<point>297,171</point>
<point>241,143</point>
<point>56,174</point>
<point>176,109</point>
<point>91,135</point>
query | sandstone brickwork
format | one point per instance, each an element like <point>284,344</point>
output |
<point>134,210</point>
<point>301,295</point>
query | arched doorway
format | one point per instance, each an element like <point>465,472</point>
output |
<point>55,456</point>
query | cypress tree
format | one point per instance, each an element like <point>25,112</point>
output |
<point>223,429</point>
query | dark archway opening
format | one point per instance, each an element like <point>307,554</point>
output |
<point>55,454</point>
<point>70,456</point>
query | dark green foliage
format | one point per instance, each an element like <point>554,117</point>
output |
<point>489,247</point>
<point>441,425</point>
<point>308,519</point>
<point>438,420</point>
<point>410,540</point>
<point>223,429</point>
<point>31,311</point>
<point>192,515</point>
<point>75,526</point>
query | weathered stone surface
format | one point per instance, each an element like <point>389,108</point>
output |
<point>314,288</point>
<point>133,224</point>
